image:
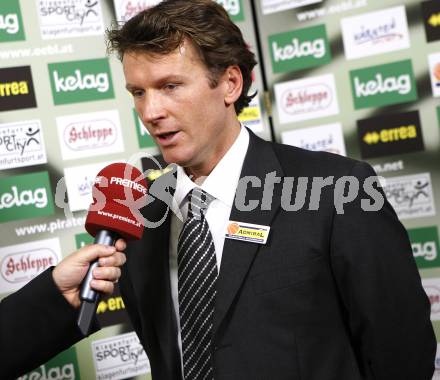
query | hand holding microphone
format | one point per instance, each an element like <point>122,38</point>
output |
<point>70,272</point>
<point>112,215</point>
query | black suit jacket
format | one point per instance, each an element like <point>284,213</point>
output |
<point>329,297</point>
<point>36,323</point>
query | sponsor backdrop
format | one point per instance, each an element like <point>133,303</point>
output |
<point>362,78</point>
<point>64,115</point>
<point>354,77</point>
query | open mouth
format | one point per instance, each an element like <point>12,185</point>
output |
<point>166,137</point>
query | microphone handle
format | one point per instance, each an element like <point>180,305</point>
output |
<point>87,293</point>
<point>89,297</point>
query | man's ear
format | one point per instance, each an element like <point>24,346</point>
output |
<point>234,82</point>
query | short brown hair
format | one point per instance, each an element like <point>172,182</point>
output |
<point>161,29</point>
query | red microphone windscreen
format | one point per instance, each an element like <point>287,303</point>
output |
<point>115,192</point>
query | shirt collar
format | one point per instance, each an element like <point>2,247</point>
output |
<point>221,183</point>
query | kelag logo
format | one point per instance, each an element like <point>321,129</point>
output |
<point>25,196</point>
<point>11,23</point>
<point>234,9</point>
<point>80,81</point>
<point>16,89</point>
<point>382,85</point>
<point>144,138</point>
<point>299,49</point>
<point>431,19</point>
<point>425,246</point>
<point>438,115</point>
<point>390,134</point>
<point>62,367</point>
<point>83,239</point>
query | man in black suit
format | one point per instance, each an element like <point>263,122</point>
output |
<point>333,294</point>
<point>40,319</point>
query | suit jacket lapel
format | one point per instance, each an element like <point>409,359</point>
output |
<point>238,255</point>
<point>152,283</point>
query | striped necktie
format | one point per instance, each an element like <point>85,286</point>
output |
<point>197,276</point>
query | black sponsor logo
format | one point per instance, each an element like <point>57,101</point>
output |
<point>111,310</point>
<point>16,89</point>
<point>390,134</point>
<point>431,19</point>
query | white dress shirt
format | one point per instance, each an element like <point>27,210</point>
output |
<point>221,184</point>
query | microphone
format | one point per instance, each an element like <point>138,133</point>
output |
<point>117,194</point>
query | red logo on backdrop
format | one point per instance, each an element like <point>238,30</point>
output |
<point>433,294</point>
<point>307,99</point>
<point>90,135</point>
<point>131,8</point>
<point>23,266</point>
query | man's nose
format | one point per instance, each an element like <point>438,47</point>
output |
<point>152,109</point>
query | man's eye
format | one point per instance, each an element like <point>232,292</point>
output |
<point>137,93</point>
<point>170,86</point>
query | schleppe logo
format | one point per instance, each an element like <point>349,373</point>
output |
<point>305,99</point>
<point>20,263</point>
<point>26,265</point>
<point>432,290</point>
<point>91,134</point>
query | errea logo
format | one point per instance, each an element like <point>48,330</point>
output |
<point>11,23</point>
<point>80,81</point>
<point>16,88</point>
